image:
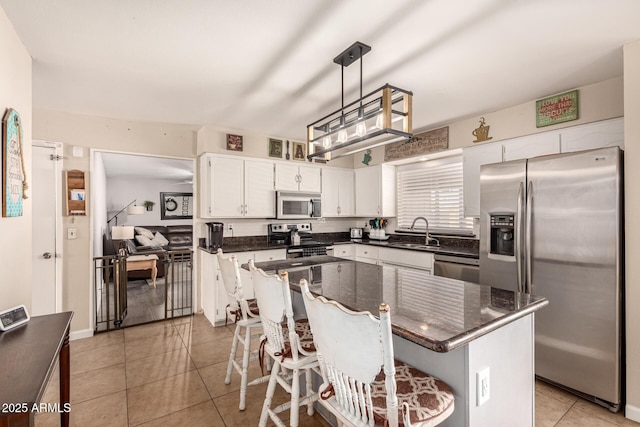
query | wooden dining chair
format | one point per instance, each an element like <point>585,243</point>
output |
<point>352,347</point>
<point>288,343</point>
<point>246,316</point>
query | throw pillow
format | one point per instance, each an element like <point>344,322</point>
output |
<point>144,232</point>
<point>160,240</point>
<point>144,241</point>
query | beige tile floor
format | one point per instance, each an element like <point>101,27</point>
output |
<point>172,374</point>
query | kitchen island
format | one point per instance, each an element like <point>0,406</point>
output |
<point>452,329</point>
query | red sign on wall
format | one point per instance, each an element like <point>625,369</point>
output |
<point>557,109</point>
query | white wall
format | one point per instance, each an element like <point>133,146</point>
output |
<point>121,191</point>
<point>98,203</point>
<point>107,134</point>
<point>632,226</point>
<point>15,233</point>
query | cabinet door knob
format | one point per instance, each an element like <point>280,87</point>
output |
<point>46,255</point>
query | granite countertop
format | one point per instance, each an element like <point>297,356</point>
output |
<point>260,244</point>
<point>435,312</point>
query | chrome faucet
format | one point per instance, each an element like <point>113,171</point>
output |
<point>428,238</point>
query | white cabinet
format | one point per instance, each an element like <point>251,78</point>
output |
<point>338,192</point>
<point>406,258</point>
<point>530,146</point>
<point>607,133</point>
<point>366,253</point>
<point>214,296</point>
<point>270,255</point>
<point>473,158</point>
<point>236,188</point>
<point>376,191</point>
<point>344,251</point>
<point>291,177</point>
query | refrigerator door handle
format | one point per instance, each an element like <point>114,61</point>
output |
<point>529,225</point>
<point>519,237</point>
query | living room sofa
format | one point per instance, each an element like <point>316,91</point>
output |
<point>179,237</point>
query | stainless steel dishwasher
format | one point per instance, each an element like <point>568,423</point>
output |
<point>457,267</point>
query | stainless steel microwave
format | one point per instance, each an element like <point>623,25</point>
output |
<point>294,205</point>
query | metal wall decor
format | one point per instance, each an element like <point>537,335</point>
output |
<point>299,151</point>
<point>14,177</point>
<point>275,148</point>
<point>176,205</point>
<point>481,132</point>
<point>427,142</point>
<point>557,109</point>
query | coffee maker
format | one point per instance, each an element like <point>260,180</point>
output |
<point>214,235</point>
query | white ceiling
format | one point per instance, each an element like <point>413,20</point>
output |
<point>267,66</point>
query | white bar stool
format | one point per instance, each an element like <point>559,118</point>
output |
<point>352,347</point>
<point>246,315</point>
<point>289,343</point>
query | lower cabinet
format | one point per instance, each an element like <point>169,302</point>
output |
<point>214,294</point>
<point>346,251</point>
<point>366,253</point>
<point>394,257</point>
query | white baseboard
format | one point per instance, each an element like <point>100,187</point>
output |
<point>76,335</point>
<point>632,413</point>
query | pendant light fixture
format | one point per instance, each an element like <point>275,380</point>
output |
<point>375,119</point>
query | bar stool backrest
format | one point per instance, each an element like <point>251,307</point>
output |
<point>230,272</point>
<point>352,347</point>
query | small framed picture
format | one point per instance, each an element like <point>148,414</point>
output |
<point>275,148</point>
<point>234,142</point>
<point>299,151</point>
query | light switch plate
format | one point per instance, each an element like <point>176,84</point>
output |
<point>72,233</point>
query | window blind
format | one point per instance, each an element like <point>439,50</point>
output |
<point>433,189</point>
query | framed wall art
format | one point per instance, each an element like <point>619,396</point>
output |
<point>176,205</point>
<point>14,179</point>
<point>299,151</point>
<point>275,148</point>
<point>234,142</point>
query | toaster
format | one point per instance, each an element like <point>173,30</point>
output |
<point>356,233</point>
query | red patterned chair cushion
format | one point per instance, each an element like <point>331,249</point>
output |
<point>427,396</point>
<point>304,333</point>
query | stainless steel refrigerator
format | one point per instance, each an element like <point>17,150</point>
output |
<point>552,226</point>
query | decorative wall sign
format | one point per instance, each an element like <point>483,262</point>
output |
<point>234,142</point>
<point>14,178</point>
<point>481,132</point>
<point>176,205</point>
<point>424,143</point>
<point>275,148</point>
<point>299,151</point>
<point>367,157</point>
<point>557,109</point>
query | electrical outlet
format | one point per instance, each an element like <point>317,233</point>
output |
<point>230,227</point>
<point>483,386</point>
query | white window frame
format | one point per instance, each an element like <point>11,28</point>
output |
<point>441,180</point>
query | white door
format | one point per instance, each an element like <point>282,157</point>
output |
<point>227,187</point>
<point>287,177</point>
<point>259,197</point>
<point>368,191</point>
<point>310,179</point>
<point>45,292</point>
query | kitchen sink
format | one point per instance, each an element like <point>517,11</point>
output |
<point>416,246</point>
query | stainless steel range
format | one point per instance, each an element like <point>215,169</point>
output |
<point>284,234</point>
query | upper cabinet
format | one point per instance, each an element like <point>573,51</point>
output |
<point>473,158</point>
<point>607,133</point>
<point>338,192</point>
<point>529,146</point>
<point>236,188</point>
<point>376,191</point>
<point>292,177</point>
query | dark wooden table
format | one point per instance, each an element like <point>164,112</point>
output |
<point>28,355</point>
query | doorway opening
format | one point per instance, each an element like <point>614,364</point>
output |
<point>143,246</point>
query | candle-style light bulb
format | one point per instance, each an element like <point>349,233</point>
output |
<point>342,136</point>
<point>361,129</point>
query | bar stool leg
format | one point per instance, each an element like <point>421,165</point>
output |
<point>232,356</point>
<point>309,383</point>
<point>295,398</point>
<point>271,388</point>
<point>245,367</point>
